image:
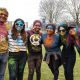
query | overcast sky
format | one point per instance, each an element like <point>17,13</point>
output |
<point>28,10</point>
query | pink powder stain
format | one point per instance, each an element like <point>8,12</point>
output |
<point>78,29</point>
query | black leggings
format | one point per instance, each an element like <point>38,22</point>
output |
<point>34,64</point>
<point>54,66</point>
<point>68,65</point>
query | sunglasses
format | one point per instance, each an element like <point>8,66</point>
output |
<point>19,24</point>
<point>63,30</point>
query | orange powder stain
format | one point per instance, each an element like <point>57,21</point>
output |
<point>48,41</point>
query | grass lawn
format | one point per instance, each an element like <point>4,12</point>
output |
<point>46,73</point>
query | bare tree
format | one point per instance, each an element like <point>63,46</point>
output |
<point>73,8</point>
<point>51,9</point>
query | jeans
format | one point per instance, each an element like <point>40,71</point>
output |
<point>3,63</point>
<point>16,65</point>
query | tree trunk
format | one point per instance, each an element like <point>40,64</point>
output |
<point>77,18</point>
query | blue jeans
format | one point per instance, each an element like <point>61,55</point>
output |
<point>3,62</point>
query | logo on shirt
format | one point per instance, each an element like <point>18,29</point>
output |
<point>35,39</point>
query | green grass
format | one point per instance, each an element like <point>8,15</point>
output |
<point>46,73</point>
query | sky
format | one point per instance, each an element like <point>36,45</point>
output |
<point>28,10</point>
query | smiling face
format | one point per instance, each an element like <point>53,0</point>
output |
<point>37,27</point>
<point>62,31</point>
<point>3,15</point>
<point>72,31</point>
<point>19,25</point>
<point>50,30</point>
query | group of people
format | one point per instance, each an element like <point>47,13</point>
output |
<point>18,46</point>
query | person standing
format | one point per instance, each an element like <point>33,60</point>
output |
<point>3,41</point>
<point>69,40</point>
<point>17,50</point>
<point>51,43</point>
<point>35,50</point>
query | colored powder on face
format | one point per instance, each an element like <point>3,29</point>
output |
<point>78,29</point>
<point>20,23</point>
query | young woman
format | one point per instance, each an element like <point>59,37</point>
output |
<point>53,53</point>
<point>3,41</point>
<point>17,50</point>
<point>35,50</point>
<point>68,40</point>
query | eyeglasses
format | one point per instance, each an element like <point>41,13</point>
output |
<point>63,30</point>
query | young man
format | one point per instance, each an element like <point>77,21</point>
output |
<point>3,41</point>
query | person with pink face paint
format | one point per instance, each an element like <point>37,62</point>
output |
<point>3,41</point>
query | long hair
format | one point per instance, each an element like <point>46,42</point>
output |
<point>67,38</point>
<point>70,40</point>
<point>15,32</point>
